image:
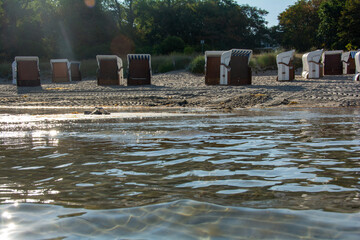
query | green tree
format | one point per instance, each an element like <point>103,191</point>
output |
<point>349,23</point>
<point>299,24</point>
<point>330,12</point>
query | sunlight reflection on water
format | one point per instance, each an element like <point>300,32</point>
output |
<point>137,174</point>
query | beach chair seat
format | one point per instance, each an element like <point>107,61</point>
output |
<point>312,67</point>
<point>27,71</point>
<point>286,70</point>
<point>212,67</point>
<point>139,69</point>
<point>75,73</point>
<point>357,65</point>
<point>110,70</point>
<point>60,70</point>
<point>332,62</point>
<point>348,61</point>
<point>234,67</point>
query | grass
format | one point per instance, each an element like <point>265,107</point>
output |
<point>167,63</point>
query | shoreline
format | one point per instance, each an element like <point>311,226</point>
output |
<point>184,90</point>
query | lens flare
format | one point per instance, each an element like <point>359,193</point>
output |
<point>89,3</point>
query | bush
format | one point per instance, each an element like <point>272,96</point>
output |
<point>172,44</point>
<point>5,70</point>
<point>197,65</point>
<point>188,50</point>
<point>266,61</point>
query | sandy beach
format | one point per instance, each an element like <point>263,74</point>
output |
<point>183,89</point>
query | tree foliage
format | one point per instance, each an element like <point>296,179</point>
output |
<point>83,28</point>
<point>330,24</point>
<point>299,24</point>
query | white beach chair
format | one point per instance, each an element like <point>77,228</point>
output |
<point>60,69</point>
<point>357,63</point>
<point>26,70</point>
<point>14,72</point>
<point>110,70</point>
<point>212,67</point>
<point>286,71</point>
<point>312,67</point>
<point>234,68</point>
<point>348,60</point>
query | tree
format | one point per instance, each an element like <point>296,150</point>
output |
<point>299,24</point>
<point>330,14</point>
<point>349,23</point>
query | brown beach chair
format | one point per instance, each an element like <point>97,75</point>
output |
<point>212,67</point>
<point>139,69</point>
<point>234,69</point>
<point>110,70</point>
<point>60,70</point>
<point>27,71</point>
<point>75,71</point>
<point>332,62</point>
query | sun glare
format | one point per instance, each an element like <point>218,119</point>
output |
<point>89,3</point>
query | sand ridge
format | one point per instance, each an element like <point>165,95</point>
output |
<point>183,89</point>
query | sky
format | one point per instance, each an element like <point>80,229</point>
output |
<point>274,7</point>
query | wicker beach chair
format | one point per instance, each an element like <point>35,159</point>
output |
<point>27,71</point>
<point>139,69</point>
<point>348,61</point>
<point>234,68</point>
<point>312,67</point>
<point>286,70</point>
<point>357,64</point>
<point>332,62</point>
<point>75,71</point>
<point>60,70</point>
<point>110,70</point>
<point>212,67</point>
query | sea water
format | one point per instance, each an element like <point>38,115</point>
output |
<point>250,174</point>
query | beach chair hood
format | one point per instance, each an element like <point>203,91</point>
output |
<point>285,57</point>
<point>285,71</point>
<point>109,57</point>
<point>225,61</point>
<point>131,57</point>
<point>311,64</point>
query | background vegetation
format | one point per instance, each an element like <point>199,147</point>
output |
<point>169,29</point>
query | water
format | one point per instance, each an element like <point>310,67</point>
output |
<point>274,174</point>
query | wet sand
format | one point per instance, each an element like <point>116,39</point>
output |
<point>183,89</point>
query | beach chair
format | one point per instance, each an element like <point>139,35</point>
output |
<point>286,70</point>
<point>27,71</point>
<point>14,72</point>
<point>139,69</point>
<point>212,67</point>
<point>60,69</point>
<point>234,67</point>
<point>348,61</point>
<point>332,62</point>
<point>312,67</point>
<point>75,71</point>
<point>110,70</point>
<point>357,64</point>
